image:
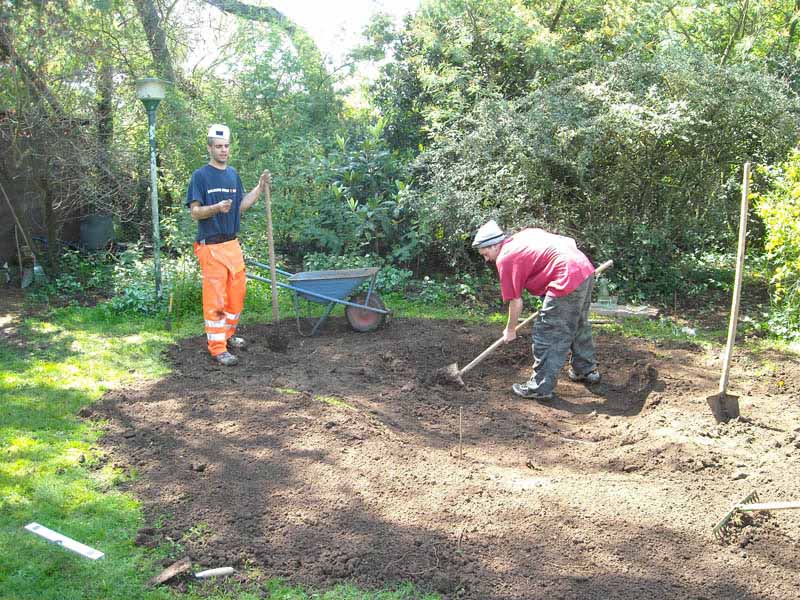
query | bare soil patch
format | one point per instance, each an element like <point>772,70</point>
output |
<point>340,460</point>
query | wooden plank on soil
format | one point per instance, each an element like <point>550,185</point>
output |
<point>175,569</point>
<point>624,310</point>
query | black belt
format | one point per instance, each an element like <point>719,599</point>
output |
<point>217,239</point>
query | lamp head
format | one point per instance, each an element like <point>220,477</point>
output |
<point>151,88</point>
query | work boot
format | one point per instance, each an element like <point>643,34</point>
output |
<point>592,376</point>
<point>226,359</point>
<point>522,389</point>
<point>236,342</point>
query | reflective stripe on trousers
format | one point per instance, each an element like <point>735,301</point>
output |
<point>224,289</point>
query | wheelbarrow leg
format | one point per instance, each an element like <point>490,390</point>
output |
<point>369,291</point>
<point>297,313</point>
<point>328,308</point>
<point>323,318</point>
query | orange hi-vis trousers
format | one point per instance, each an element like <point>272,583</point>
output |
<point>224,288</point>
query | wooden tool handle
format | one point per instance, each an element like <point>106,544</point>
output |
<point>768,506</point>
<point>606,265</point>
<point>494,346</point>
<point>737,284</point>
<point>271,245</point>
<point>476,361</point>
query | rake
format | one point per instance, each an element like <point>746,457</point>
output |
<point>749,503</point>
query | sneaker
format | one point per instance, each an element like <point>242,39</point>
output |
<point>521,389</point>
<point>226,359</point>
<point>236,342</point>
<point>592,376</point>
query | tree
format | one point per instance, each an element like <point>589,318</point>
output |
<point>58,141</point>
<point>638,158</point>
<point>156,39</point>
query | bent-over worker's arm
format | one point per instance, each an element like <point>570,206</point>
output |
<point>200,212</point>
<point>514,311</point>
<point>251,197</point>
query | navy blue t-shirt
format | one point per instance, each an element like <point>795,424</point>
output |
<point>210,185</point>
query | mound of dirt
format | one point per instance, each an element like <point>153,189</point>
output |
<point>343,460</point>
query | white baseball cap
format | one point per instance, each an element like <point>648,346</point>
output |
<point>488,235</point>
<point>219,131</point>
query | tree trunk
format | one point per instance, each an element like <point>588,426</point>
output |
<point>554,24</point>
<point>737,32</point>
<point>51,223</point>
<point>792,28</point>
<point>105,130</point>
<point>302,42</point>
<point>265,14</point>
<point>156,38</point>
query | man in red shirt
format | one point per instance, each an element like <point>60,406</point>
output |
<point>546,265</point>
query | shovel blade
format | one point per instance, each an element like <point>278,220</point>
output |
<point>724,407</point>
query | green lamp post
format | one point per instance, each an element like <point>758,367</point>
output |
<point>151,91</point>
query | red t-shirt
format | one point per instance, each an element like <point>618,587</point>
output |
<point>543,263</point>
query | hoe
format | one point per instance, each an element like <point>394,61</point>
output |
<point>451,374</point>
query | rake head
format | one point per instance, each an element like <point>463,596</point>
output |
<point>723,528</point>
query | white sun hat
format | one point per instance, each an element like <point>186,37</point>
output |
<point>219,131</point>
<point>488,235</point>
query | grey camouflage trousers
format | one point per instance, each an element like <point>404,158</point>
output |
<point>562,326</point>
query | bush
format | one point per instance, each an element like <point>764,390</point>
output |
<point>466,290</point>
<point>637,158</point>
<point>779,208</point>
<point>82,278</point>
<point>134,284</point>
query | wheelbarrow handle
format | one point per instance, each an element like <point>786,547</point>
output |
<point>499,341</point>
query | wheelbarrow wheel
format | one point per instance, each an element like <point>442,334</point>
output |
<point>362,319</point>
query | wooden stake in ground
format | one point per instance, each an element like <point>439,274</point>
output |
<point>275,341</point>
<point>168,323</point>
<point>460,432</point>
<point>724,406</point>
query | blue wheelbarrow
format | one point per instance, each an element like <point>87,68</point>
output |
<point>365,311</point>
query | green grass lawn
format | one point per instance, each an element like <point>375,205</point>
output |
<point>53,473</point>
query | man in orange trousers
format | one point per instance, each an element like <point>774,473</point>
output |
<point>216,200</point>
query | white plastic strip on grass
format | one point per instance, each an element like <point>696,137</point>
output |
<point>64,541</point>
<point>221,571</point>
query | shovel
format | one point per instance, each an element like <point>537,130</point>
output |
<point>725,406</point>
<point>452,374</point>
